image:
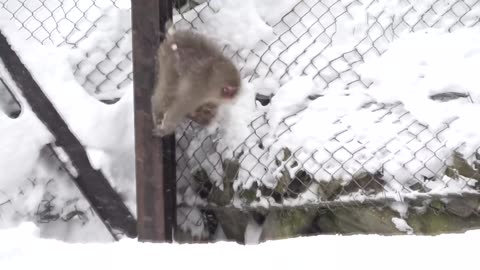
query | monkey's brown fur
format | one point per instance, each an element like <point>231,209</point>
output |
<point>204,114</point>
<point>193,79</point>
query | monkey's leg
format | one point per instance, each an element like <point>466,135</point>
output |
<point>157,113</point>
<point>204,114</point>
<point>160,104</point>
<point>173,116</point>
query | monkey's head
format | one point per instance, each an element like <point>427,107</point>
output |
<point>225,80</point>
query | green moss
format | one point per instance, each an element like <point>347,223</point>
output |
<point>249,195</point>
<point>358,220</point>
<point>438,220</point>
<point>329,190</point>
<point>281,224</point>
<point>282,182</point>
<point>461,167</point>
<point>285,153</point>
<point>369,183</point>
<point>434,220</point>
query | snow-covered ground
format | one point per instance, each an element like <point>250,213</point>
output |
<point>400,125</point>
<point>21,249</point>
<point>330,49</point>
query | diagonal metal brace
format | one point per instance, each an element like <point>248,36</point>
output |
<point>92,183</point>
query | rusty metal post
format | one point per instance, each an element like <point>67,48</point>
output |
<point>155,158</point>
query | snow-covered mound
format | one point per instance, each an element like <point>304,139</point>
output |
<point>354,108</point>
<point>22,249</point>
<point>412,122</point>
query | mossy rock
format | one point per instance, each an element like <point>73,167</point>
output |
<point>282,182</point>
<point>366,182</point>
<point>184,237</point>
<point>249,195</point>
<point>288,187</point>
<point>230,170</point>
<point>299,184</point>
<point>357,220</point>
<point>433,220</point>
<point>233,222</point>
<point>328,191</point>
<point>464,207</point>
<point>281,224</point>
<point>461,167</point>
<point>208,191</point>
<point>213,194</point>
<point>431,223</point>
<point>286,155</point>
<point>268,192</point>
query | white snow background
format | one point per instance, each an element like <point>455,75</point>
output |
<point>414,67</point>
<point>21,249</point>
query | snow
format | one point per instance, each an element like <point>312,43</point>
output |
<point>397,126</point>
<point>105,130</point>
<point>25,130</point>
<point>22,249</point>
<point>37,190</point>
<point>289,99</point>
<point>236,20</point>
<point>419,66</point>
<point>405,125</point>
<point>402,225</point>
<point>380,105</point>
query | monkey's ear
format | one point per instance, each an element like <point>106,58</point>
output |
<point>229,91</point>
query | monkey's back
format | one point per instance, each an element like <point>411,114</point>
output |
<point>190,53</point>
<point>187,56</point>
<point>192,72</point>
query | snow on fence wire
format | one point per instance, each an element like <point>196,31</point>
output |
<point>100,68</point>
<point>325,130</point>
<point>322,136</point>
<point>97,36</point>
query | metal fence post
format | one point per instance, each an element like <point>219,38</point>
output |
<point>155,158</point>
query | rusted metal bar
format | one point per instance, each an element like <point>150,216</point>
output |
<point>169,143</point>
<point>155,158</point>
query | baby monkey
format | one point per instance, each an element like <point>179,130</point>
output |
<point>204,114</point>
<point>194,78</point>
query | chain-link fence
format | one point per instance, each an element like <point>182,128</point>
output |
<point>352,177</point>
<point>293,168</point>
<point>99,30</point>
<point>97,35</point>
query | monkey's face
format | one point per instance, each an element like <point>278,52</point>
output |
<point>225,81</point>
<point>229,92</point>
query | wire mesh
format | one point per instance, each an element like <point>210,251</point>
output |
<point>349,183</point>
<point>100,67</point>
<point>98,36</point>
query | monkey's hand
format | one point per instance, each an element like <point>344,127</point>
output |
<point>158,132</point>
<point>157,128</point>
<point>163,129</point>
<point>204,114</point>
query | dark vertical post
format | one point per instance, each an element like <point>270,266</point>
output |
<point>169,157</point>
<point>154,183</point>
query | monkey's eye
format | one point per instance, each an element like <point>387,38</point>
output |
<point>229,91</point>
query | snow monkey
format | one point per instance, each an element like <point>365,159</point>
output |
<point>194,78</point>
<point>204,114</point>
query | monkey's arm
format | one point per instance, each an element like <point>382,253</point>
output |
<point>185,102</point>
<point>160,102</point>
<point>204,114</point>
<point>172,117</point>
